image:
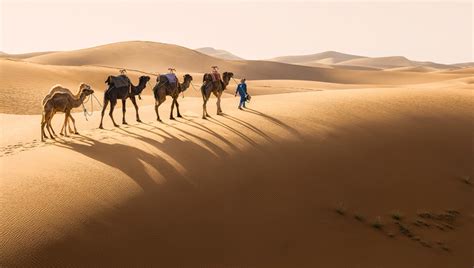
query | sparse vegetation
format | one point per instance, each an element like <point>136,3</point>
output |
<point>396,215</point>
<point>467,180</point>
<point>445,248</point>
<point>425,214</point>
<point>425,244</point>
<point>341,209</point>
<point>359,217</point>
<point>377,224</point>
<point>404,230</point>
<point>421,223</point>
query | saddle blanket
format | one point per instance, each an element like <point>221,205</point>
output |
<point>120,81</point>
<point>171,78</point>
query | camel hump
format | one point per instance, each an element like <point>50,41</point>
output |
<point>206,77</point>
<point>55,90</point>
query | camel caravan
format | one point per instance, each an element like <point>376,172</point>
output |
<point>60,99</point>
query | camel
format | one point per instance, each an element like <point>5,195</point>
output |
<point>163,88</point>
<point>62,101</point>
<point>60,88</point>
<point>216,87</point>
<point>122,92</point>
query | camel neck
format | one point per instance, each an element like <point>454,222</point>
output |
<point>185,85</point>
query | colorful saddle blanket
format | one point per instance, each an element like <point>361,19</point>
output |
<point>171,78</point>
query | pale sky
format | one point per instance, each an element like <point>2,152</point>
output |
<point>439,31</point>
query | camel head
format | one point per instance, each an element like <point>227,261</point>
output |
<point>85,89</point>
<point>144,79</point>
<point>227,76</point>
<point>83,86</point>
<point>187,78</point>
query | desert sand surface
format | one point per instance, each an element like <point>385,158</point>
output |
<point>299,179</point>
<point>333,166</point>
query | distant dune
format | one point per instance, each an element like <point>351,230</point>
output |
<point>157,57</point>
<point>24,55</point>
<point>347,61</point>
<point>380,62</point>
<point>218,53</point>
<point>465,64</point>
<point>324,58</point>
<point>422,69</point>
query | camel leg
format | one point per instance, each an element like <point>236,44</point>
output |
<point>66,123</point>
<point>63,128</point>
<point>177,108</point>
<point>204,108</point>
<point>134,101</point>
<point>205,114</point>
<point>43,123</point>
<point>172,108</point>
<point>219,110</point>
<point>49,127</point>
<point>73,123</point>
<point>124,109</point>
<point>157,104</point>
<point>69,125</point>
<point>51,135</point>
<point>106,102</point>
<point>111,112</point>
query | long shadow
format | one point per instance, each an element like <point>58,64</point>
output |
<point>249,126</point>
<point>113,156</point>
<point>275,121</point>
<point>235,131</point>
<point>211,146</point>
<point>196,125</point>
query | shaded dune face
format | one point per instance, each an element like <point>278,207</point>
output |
<point>261,187</point>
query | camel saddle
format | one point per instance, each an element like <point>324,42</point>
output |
<point>171,78</point>
<point>120,81</point>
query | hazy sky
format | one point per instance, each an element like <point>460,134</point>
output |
<point>424,30</point>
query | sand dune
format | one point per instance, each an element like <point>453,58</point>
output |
<point>24,84</point>
<point>381,62</point>
<point>327,58</point>
<point>157,57</point>
<point>218,53</point>
<point>254,188</point>
<point>332,59</point>
<point>465,64</point>
<point>421,69</point>
<point>23,55</point>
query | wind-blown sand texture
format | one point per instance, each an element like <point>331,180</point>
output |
<point>314,174</point>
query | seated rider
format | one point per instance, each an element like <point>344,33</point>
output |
<point>216,76</point>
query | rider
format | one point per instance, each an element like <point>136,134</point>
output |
<point>216,76</point>
<point>242,90</point>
